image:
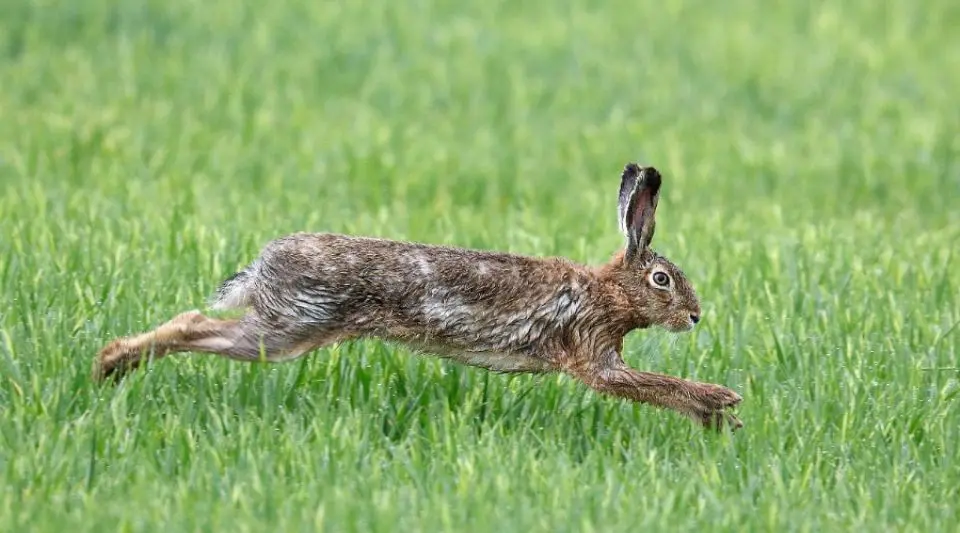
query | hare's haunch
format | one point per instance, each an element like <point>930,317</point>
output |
<point>499,311</point>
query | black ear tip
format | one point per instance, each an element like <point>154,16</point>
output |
<point>651,178</point>
<point>631,170</point>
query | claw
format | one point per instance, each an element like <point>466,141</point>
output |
<point>716,420</point>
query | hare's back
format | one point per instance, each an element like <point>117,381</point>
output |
<point>368,264</point>
<point>347,272</point>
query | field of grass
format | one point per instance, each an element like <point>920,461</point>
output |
<point>811,153</point>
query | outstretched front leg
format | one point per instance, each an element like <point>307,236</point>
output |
<point>705,403</point>
<point>240,339</point>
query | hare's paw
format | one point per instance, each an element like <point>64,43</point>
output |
<point>106,363</point>
<point>116,359</point>
<point>125,354</point>
<point>716,401</point>
<point>719,397</point>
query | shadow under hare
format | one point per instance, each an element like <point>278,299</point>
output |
<point>499,311</point>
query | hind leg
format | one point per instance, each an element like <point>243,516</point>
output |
<point>241,339</point>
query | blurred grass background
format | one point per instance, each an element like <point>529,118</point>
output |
<point>147,149</point>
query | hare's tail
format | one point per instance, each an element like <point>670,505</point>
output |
<point>236,291</point>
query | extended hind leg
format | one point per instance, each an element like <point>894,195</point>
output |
<point>241,339</point>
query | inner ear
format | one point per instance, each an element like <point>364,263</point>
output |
<point>640,212</point>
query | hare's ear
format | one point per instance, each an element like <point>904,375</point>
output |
<point>639,194</point>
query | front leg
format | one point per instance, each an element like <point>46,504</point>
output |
<point>705,403</point>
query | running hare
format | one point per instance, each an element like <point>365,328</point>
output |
<point>499,311</point>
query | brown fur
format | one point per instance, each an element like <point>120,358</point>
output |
<point>499,311</point>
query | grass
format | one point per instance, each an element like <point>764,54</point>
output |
<point>148,148</point>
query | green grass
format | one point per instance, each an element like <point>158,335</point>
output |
<point>148,148</point>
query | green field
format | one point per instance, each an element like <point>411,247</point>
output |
<point>811,154</point>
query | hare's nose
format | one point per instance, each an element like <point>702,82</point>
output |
<point>695,318</point>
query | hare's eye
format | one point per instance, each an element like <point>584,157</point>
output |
<point>661,279</point>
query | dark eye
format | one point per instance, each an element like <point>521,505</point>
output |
<point>661,279</point>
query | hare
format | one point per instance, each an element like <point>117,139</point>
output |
<point>499,311</point>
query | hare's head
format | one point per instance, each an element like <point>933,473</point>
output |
<point>658,291</point>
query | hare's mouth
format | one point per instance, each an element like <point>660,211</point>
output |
<point>681,326</point>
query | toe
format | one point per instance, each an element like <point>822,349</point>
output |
<point>734,422</point>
